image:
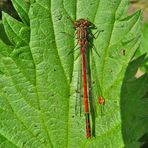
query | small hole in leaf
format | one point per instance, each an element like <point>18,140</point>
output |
<point>123,52</point>
<point>35,125</point>
<point>93,82</point>
<point>91,3</point>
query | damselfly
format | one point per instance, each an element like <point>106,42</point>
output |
<point>84,36</point>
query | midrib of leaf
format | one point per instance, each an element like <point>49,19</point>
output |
<point>60,63</point>
<point>68,111</point>
<point>52,50</point>
<point>56,46</point>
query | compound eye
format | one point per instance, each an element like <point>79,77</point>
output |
<point>76,24</point>
<point>85,23</point>
<point>88,24</point>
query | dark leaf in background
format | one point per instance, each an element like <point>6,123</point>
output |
<point>6,6</point>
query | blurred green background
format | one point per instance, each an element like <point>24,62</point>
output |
<point>136,5</point>
<point>6,5</point>
<point>140,4</point>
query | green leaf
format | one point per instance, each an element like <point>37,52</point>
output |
<point>39,79</point>
<point>19,35</point>
<point>144,45</point>
<point>134,105</point>
<point>3,35</point>
<point>4,49</point>
<point>22,8</point>
<point>17,32</point>
<point>5,143</point>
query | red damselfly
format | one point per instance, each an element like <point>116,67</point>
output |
<point>84,35</point>
<point>84,38</point>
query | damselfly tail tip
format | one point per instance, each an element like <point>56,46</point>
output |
<point>88,135</point>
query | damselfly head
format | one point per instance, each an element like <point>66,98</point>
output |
<point>82,23</point>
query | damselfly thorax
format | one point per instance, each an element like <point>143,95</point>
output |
<point>82,26</point>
